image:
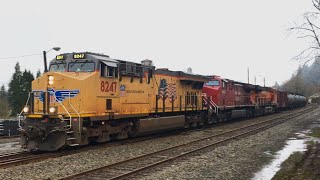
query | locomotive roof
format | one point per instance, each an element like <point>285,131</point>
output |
<point>182,75</point>
<point>101,57</point>
<point>245,85</point>
<point>82,56</point>
<point>89,56</point>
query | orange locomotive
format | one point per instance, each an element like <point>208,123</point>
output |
<point>90,97</point>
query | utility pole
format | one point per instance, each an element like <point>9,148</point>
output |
<point>248,75</point>
<point>45,61</point>
<point>255,80</point>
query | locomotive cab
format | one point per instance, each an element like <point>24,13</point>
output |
<point>59,100</point>
<point>213,88</point>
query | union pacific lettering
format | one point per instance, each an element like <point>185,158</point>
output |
<point>135,91</point>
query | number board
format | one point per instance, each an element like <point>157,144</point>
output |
<point>79,56</point>
<point>60,57</point>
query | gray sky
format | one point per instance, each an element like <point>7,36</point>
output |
<point>212,37</point>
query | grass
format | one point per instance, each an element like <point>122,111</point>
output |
<point>289,167</point>
<point>315,133</point>
<point>295,166</point>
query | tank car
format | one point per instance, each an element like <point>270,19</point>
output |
<point>89,97</point>
<point>296,101</point>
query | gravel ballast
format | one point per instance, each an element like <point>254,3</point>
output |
<point>237,160</point>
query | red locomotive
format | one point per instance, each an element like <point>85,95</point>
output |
<point>228,99</point>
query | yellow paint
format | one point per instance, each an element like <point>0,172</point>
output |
<point>79,56</point>
<point>60,57</point>
<point>34,115</point>
<point>134,97</point>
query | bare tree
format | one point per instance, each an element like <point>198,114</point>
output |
<point>309,30</point>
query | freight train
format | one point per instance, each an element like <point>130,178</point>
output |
<point>9,127</point>
<point>89,97</point>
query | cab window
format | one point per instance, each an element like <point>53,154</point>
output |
<point>81,66</point>
<point>58,67</point>
<point>108,70</point>
<point>213,83</point>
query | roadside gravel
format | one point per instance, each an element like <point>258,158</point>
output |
<point>9,145</point>
<point>230,161</point>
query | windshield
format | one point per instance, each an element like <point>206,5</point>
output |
<point>213,83</point>
<point>59,67</point>
<point>81,67</point>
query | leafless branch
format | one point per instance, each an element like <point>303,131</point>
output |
<point>309,30</point>
<point>301,28</point>
<point>316,4</point>
<point>301,55</point>
<point>315,25</point>
<point>305,36</point>
<point>313,31</point>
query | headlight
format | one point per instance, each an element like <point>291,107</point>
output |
<point>26,109</point>
<point>52,110</point>
<point>51,78</point>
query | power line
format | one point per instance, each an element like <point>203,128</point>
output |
<point>17,57</point>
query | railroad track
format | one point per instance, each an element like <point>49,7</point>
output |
<point>13,159</point>
<point>9,137</point>
<point>26,157</point>
<point>135,167</point>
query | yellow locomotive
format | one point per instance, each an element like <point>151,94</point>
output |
<point>89,97</point>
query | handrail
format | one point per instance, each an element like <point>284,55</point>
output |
<point>215,105</point>
<point>55,98</point>
<point>263,100</point>
<point>75,111</point>
<point>19,117</point>
<point>211,104</point>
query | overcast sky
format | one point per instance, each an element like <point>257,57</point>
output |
<point>212,37</point>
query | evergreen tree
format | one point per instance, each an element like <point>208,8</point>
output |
<point>38,73</point>
<point>4,105</point>
<point>19,88</point>
<point>3,92</point>
<point>14,92</point>
<point>26,80</point>
<point>276,86</point>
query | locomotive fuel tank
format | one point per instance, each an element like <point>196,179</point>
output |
<point>152,125</point>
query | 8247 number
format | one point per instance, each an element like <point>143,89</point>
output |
<point>108,86</point>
